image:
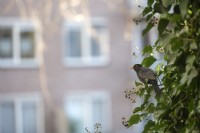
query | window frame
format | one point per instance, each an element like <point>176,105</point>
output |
<point>18,99</point>
<point>18,26</point>
<point>87,100</point>
<point>87,60</point>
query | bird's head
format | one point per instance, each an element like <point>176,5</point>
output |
<point>137,67</point>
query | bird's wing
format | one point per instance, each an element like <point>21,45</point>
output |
<point>147,73</point>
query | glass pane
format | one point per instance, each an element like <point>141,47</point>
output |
<point>97,111</point>
<point>29,117</point>
<point>75,116</point>
<point>74,43</point>
<point>96,40</point>
<point>7,117</point>
<point>27,45</point>
<point>6,43</point>
<point>95,47</point>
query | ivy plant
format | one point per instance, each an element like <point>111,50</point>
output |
<point>177,110</point>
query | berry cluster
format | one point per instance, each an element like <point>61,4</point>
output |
<point>154,20</point>
<point>124,122</point>
<point>129,95</point>
<point>97,127</point>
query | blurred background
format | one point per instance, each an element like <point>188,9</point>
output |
<point>64,64</point>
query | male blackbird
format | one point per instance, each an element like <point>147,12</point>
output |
<point>147,75</point>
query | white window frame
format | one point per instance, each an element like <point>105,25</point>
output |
<point>18,25</point>
<point>87,100</point>
<point>18,99</point>
<point>87,60</point>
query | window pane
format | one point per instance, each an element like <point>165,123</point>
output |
<point>97,111</point>
<point>95,47</point>
<point>6,43</point>
<point>96,40</point>
<point>74,43</point>
<point>7,117</point>
<point>29,117</point>
<point>75,116</point>
<point>27,45</point>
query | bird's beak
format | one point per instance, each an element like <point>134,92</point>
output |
<point>132,67</point>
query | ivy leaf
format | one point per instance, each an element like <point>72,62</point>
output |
<point>138,84</point>
<point>159,8</point>
<point>192,75</point>
<point>193,46</point>
<point>166,3</point>
<point>150,108</point>
<point>177,43</point>
<point>148,61</point>
<point>148,28</point>
<point>150,2</point>
<point>190,60</point>
<point>134,120</point>
<point>137,109</point>
<point>148,17</point>
<point>146,10</point>
<point>147,50</point>
<point>148,126</point>
<point>159,112</point>
<point>183,7</point>
<point>162,25</point>
<point>175,18</point>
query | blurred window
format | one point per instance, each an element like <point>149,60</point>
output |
<point>86,110</point>
<point>20,115</point>
<point>6,46</point>
<point>86,44</point>
<point>27,44</point>
<point>17,44</point>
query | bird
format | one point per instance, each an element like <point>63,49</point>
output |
<point>147,76</point>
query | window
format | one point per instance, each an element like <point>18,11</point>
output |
<point>20,115</point>
<point>86,44</point>
<point>17,44</point>
<point>86,110</point>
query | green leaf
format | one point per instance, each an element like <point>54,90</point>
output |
<point>166,3</point>
<point>183,7</point>
<point>162,25</point>
<point>134,119</point>
<point>146,10</point>
<point>190,60</point>
<point>148,28</point>
<point>148,126</point>
<point>158,113</point>
<point>178,107</point>
<point>150,108</point>
<point>147,50</point>
<point>192,75</point>
<point>137,109</point>
<point>138,84</point>
<point>148,61</point>
<point>148,17</point>
<point>175,18</point>
<point>150,2</point>
<point>191,107</point>
<point>177,43</point>
<point>193,46</point>
<point>159,8</point>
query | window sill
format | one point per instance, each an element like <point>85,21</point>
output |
<point>83,62</point>
<point>25,64</point>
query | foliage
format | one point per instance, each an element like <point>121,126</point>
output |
<point>178,108</point>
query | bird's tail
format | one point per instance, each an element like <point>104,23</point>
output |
<point>157,89</point>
